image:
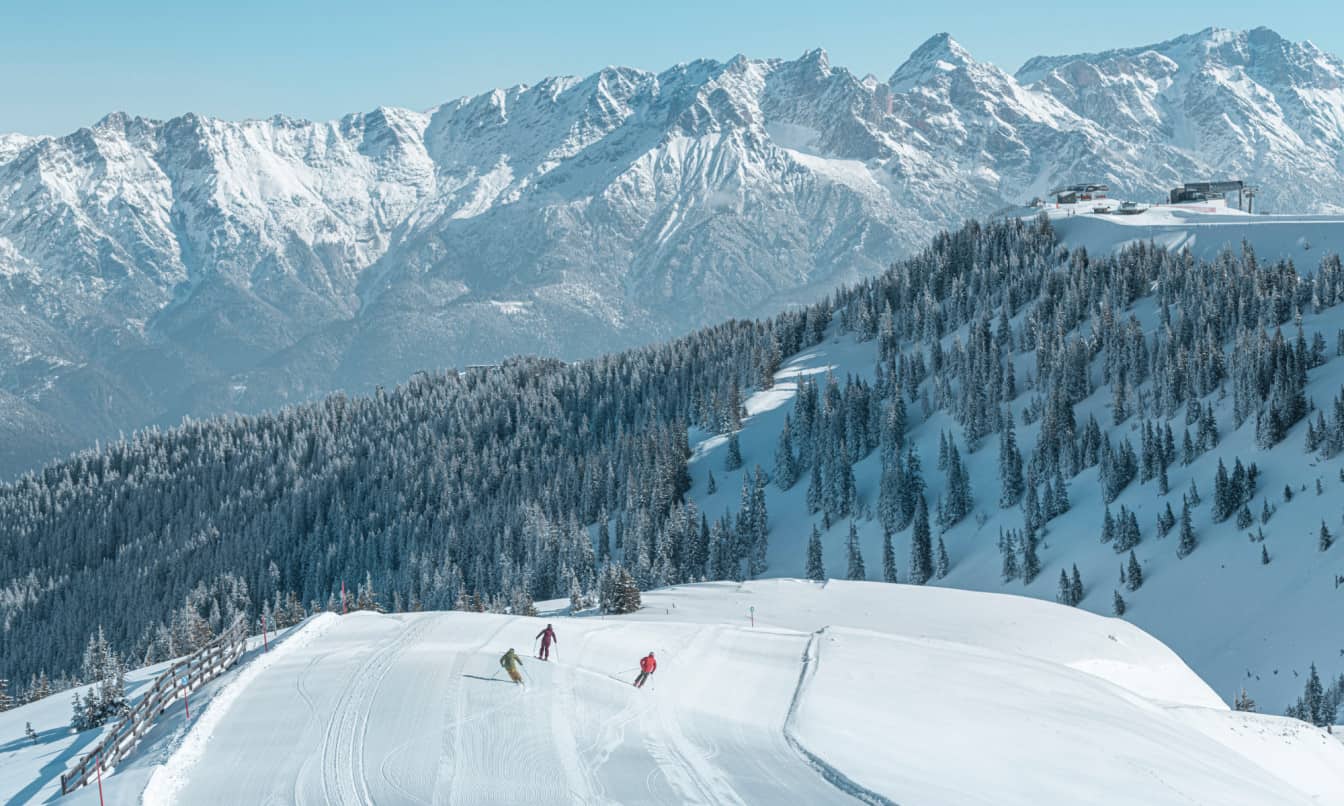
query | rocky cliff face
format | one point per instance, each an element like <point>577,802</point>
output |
<point>154,269</point>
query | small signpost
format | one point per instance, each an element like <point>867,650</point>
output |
<point>753,615</point>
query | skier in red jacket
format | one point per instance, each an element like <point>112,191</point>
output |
<point>647,665</point>
<point>547,636</point>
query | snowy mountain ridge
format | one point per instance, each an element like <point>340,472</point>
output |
<point>150,269</point>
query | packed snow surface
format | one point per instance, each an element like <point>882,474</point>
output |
<point>1204,230</point>
<point>842,691</point>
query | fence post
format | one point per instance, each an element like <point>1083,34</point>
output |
<point>100,778</point>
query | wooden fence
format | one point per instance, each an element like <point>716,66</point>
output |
<point>179,680</point>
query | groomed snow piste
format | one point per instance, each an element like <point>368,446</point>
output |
<point>881,693</point>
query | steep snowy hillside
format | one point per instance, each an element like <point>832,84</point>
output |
<point>30,770</point>
<point>150,269</point>
<point>837,692</point>
<point>1240,618</point>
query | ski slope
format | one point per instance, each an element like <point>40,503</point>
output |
<point>839,692</point>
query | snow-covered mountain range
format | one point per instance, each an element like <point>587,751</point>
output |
<point>151,269</point>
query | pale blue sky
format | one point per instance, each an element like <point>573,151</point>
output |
<point>66,63</point>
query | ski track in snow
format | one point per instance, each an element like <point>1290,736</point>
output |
<point>343,778</point>
<point>810,661</point>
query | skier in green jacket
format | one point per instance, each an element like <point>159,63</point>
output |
<point>511,662</point>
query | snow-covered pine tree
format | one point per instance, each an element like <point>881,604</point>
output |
<point>847,492</point>
<point>1264,555</point>
<point>1118,604</point>
<point>79,714</point>
<point>1010,467</point>
<point>1208,430</point>
<point>854,556</point>
<point>732,460</point>
<point>1326,539</point>
<point>1311,707</point>
<point>1031,562</point>
<point>1222,495</point>
<point>29,733</point>
<point>816,571</point>
<point>888,558</point>
<point>957,500</point>
<point>760,527</point>
<point>723,560</point>
<point>625,596</point>
<point>1061,495</point>
<point>1126,531</point>
<point>1243,701</point>
<point>1033,518</point>
<point>1188,542</point>
<point>711,487</point>
<point>1119,409</point>
<point>786,469</point>
<point>1065,595</point>
<point>892,433</point>
<point>6,699</point>
<point>889,491</point>
<point>921,548</point>
<point>816,488</point>
<point>912,488</point>
<point>942,565</point>
<point>1134,575</point>
<point>603,539</point>
<point>1076,586</point>
<point>1008,550</point>
<point>1166,519</point>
